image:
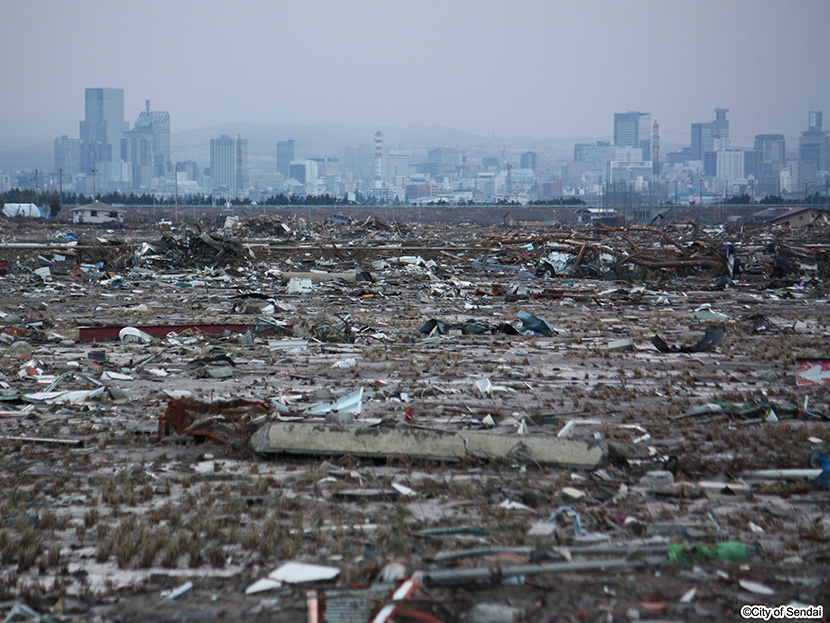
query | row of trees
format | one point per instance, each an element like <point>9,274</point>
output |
<point>745,199</point>
<point>17,195</point>
<point>55,200</point>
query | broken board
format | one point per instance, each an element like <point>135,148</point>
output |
<point>420,443</point>
<point>812,372</point>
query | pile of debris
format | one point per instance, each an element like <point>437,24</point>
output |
<point>416,424</point>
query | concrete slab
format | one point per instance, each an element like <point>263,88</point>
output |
<point>419,443</point>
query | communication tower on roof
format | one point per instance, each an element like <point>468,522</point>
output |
<point>655,148</point>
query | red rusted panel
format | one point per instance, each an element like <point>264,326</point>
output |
<point>99,334</point>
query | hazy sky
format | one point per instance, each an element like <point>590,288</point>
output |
<point>540,68</point>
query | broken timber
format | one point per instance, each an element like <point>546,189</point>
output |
<point>419,443</point>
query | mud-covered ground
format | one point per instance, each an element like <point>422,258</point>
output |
<point>102,519</point>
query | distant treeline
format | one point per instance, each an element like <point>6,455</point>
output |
<point>55,200</point>
<point>559,201</point>
<point>17,195</point>
<point>745,199</point>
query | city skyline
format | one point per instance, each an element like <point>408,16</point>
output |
<point>709,163</point>
<point>542,71</point>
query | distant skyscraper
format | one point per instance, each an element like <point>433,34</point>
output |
<point>729,165</point>
<point>595,156</point>
<point>67,156</point>
<point>701,140</point>
<point>304,171</point>
<point>813,152</point>
<point>396,165</point>
<point>147,146</point>
<point>529,160</point>
<point>443,161</point>
<point>633,129</point>
<point>655,148</point>
<point>229,163</point>
<point>137,151</point>
<point>190,169</point>
<point>768,160</point>
<point>357,161</point>
<point>705,137</point>
<point>102,126</point>
<point>771,148</point>
<point>720,126</point>
<point>286,153</point>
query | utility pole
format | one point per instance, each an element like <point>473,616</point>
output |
<point>176,194</point>
<point>36,188</point>
<point>675,201</point>
<point>93,171</point>
<point>60,186</point>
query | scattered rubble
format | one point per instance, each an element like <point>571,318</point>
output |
<point>361,420</point>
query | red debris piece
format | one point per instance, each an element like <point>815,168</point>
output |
<point>221,420</point>
<point>653,605</point>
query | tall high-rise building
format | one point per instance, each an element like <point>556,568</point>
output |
<point>67,156</point>
<point>286,153</point>
<point>396,166</point>
<point>357,161</point>
<point>137,151</point>
<point>771,148</point>
<point>768,158</point>
<point>529,160</point>
<point>103,126</point>
<point>304,171</point>
<point>229,163</point>
<point>147,146</point>
<point>729,165</point>
<point>813,152</point>
<point>595,156</point>
<point>443,161</point>
<point>633,129</point>
<point>655,148</point>
<point>705,137</point>
<point>720,126</point>
<point>701,140</point>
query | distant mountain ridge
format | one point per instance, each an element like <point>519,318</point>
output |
<point>317,141</point>
<point>27,158</point>
<point>330,141</point>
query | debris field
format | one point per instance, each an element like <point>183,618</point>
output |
<point>341,420</point>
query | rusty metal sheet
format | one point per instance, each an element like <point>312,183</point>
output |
<point>98,334</point>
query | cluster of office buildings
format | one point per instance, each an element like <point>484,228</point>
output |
<point>710,168</point>
<point>110,156</point>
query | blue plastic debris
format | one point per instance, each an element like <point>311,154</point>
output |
<point>823,479</point>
